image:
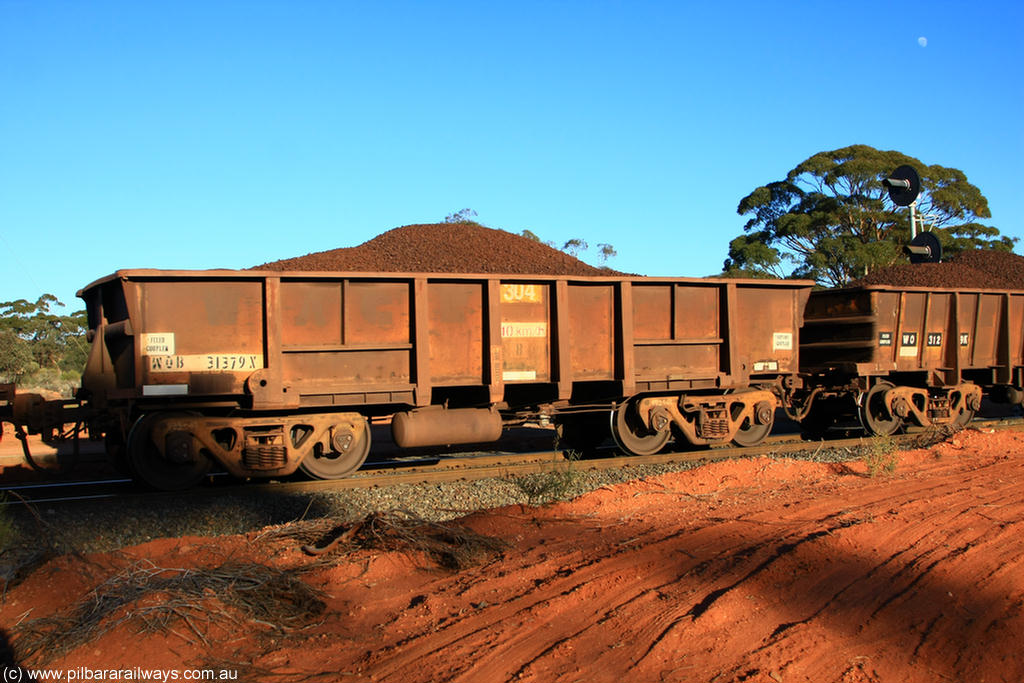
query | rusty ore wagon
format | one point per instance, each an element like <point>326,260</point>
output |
<point>268,372</point>
<point>898,355</point>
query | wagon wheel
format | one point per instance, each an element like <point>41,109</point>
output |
<point>966,414</point>
<point>635,437</point>
<point>347,455</point>
<point>963,419</point>
<point>753,432</point>
<point>155,471</point>
<point>582,434</point>
<point>873,413</point>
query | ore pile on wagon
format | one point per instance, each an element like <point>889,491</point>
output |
<point>443,248</point>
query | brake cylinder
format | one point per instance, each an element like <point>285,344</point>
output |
<point>438,426</point>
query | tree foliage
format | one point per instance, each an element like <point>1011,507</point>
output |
<point>830,219</point>
<point>33,337</point>
<point>15,356</point>
<point>461,216</point>
<point>534,237</point>
<point>531,235</point>
<point>574,247</point>
<point>605,252</point>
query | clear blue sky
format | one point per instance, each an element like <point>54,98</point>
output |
<point>227,134</point>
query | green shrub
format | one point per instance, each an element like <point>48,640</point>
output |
<point>881,456</point>
<point>552,483</point>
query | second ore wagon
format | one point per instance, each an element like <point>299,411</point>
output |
<point>890,356</point>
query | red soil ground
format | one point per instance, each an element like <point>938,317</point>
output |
<point>758,570</point>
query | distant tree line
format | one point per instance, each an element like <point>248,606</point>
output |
<point>40,346</point>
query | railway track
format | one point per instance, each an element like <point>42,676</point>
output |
<point>612,458</point>
<point>439,469</point>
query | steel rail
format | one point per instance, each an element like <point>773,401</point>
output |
<point>485,465</point>
<point>555,461</point>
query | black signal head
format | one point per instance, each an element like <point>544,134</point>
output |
<point>904,185</point>
<point>924,248</point>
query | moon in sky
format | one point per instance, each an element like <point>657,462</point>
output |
<point>922,41</point>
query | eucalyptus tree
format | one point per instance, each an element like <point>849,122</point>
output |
<point>831,220</point>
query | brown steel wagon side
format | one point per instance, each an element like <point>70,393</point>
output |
<point>911,355</point>
<point>266,372</point>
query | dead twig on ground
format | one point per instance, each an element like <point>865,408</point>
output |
<point>448,544</point>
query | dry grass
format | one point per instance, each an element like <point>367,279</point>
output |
<point>159,599</point>
<point>22,551</point>
<point>193,603</point>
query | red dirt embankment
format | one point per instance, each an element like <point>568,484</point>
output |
<point>756,570</point>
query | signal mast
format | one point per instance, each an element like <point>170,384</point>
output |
<point>904,186</point>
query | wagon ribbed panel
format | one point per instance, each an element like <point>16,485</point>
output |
<point>942,332</point>
<point>336,339</point>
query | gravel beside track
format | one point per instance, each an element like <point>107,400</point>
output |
<point>108,524</point>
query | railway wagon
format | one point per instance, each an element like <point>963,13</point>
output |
<point>266,372</point>
<point>897,355</point>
